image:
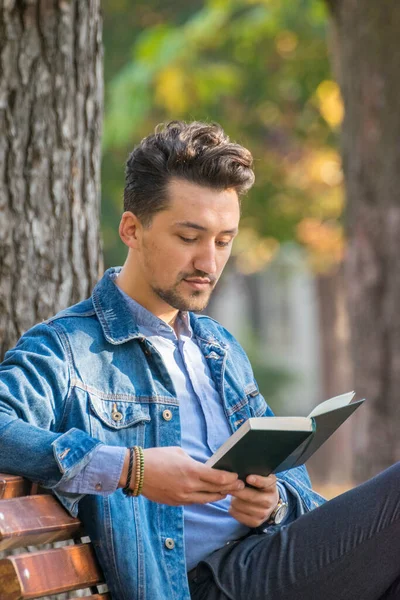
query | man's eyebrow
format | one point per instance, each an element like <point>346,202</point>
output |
<point>191,225</point>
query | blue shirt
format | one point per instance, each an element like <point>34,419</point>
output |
<point>204,428</point>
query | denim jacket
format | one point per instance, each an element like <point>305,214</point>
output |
<point>60,389</point>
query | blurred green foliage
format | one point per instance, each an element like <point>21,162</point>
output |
<point>272,380</point>
<point>261,69</point>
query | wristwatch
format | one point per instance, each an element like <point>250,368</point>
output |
<point>279,513</point>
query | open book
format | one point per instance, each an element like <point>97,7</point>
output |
<point>265,445</point>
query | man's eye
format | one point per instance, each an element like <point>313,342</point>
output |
<point>187,240</point>
<point>223,244</point>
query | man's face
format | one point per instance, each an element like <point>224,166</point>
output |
<point>186,247</point>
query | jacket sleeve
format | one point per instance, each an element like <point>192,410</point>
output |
<point>34,388</point>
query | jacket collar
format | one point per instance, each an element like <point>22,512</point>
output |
<point>118,322</point>
<point>115,318</point>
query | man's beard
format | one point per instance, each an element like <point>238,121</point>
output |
<point>197,300</point>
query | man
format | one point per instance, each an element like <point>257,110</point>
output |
<point>133,366</point>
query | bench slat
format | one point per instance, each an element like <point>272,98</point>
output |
<point>26,576</point>
<point>12,486</point>
<point>34,520</point>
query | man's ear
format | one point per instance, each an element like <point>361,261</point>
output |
<point>130,229</point>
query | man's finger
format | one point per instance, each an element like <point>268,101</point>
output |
<point>205,486</point>
<point>254,507</point>
<point>250,520</point>
<point>210,475</point>
<point>205,497</point>
<point>249,494</point>
<point>260,482</point>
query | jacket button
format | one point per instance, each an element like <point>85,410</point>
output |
<point>167,415</point>
<point>98,487</point>
<point>169,543</point>
<point>116,415</point>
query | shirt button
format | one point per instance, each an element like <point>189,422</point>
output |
<point>116,415</point>
<point>167,415</point>
<point>169,543</point>
<point>98,487</point>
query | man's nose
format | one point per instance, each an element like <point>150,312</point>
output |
<point>206,260</point>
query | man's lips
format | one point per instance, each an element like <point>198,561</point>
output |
<point>197,283</point>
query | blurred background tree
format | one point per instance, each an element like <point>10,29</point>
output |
<point>367,62</point>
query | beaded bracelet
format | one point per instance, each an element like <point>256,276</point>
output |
<point>127,488</point>
<point>141,478</point>
<point>139,472</point>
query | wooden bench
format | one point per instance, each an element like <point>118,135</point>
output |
<point>29,518</point>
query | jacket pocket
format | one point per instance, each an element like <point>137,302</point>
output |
<point>119,414</point>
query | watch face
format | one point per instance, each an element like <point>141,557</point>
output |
<point>281,513</point>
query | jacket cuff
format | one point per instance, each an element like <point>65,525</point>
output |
<point>100,476</point>
<point>72,451</point>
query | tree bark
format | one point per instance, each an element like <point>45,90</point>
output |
<point>367,56</point>
<point>51,100</point>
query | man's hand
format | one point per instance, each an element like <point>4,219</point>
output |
<point>254,506</point>
<point>172,477</point>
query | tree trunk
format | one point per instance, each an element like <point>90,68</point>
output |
<point>367,56</point>
<point>51,98</point>
<point>332,465</point>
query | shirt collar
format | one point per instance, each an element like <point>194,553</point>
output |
<point>121,317</point>
<point>153,324</point>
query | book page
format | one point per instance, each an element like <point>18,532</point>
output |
<point>326,424</point>
<point>281,423</point>
<point>332,404</point>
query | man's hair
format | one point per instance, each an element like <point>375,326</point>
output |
<point>200,153</point>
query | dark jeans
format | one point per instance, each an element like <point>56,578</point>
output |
<point>347,549</point>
